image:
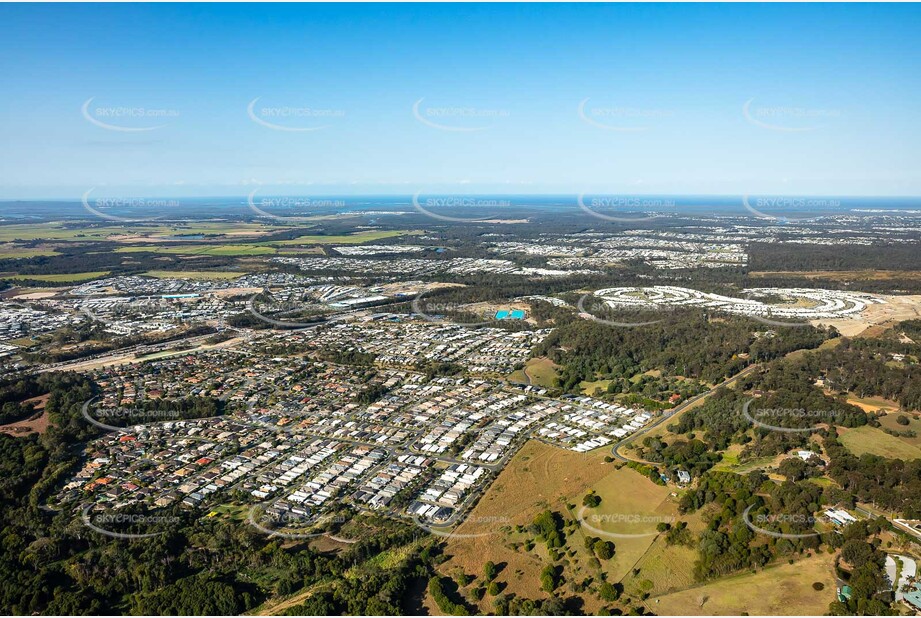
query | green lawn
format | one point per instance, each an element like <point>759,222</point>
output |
<point>16,253</point>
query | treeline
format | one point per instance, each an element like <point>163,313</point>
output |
<point>113,343</point>
<point>684,343</point>
<point>796,407</point>
<point>810,257</point>
<point>352,356</point>
<point>865,367</point>
<point>157,410</point>
<point>891,484</point>
<point>13,391</point>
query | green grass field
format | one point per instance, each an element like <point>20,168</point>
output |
<point>216,250</point>
<point>537,371</point>
<point>588,388</point>
<point>348,239</point>
<point>12,252</point>
<point>877,442</point>
<point>782,590</point>
<point>193,274</point>
<point>62,278</point>
<point>662,569</point>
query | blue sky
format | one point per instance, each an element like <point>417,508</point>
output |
<point>540,98</point>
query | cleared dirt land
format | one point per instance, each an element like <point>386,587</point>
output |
<point>876,318</point>
<point>785,590</point>
<point>37,423</point>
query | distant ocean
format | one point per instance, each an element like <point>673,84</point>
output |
<point>292,206</point>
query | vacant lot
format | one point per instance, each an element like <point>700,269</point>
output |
<point>663,568</point>
<point>785,589</point>
<point>877,442</point>
<point>537,371</point>
<point>14,252</point>
<point>544,477</point>
<point>631,507</point>
<point>37,423</point>
<point>541,371</point>
<point>538,477</point>
<point>873,404</point>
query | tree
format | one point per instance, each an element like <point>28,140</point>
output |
<point>591,500</point>
<point>549,579</point>
<point>603,549</point>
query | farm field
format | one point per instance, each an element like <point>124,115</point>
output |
<point>54,231</point>
<point>62,278</point>
<point>785,589</point>
<point>875,441</point>
<point>203,249</point>
<point>914,424</point>
<point>14,252</point>
<point>193,274</point>
<point>347,239</point>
